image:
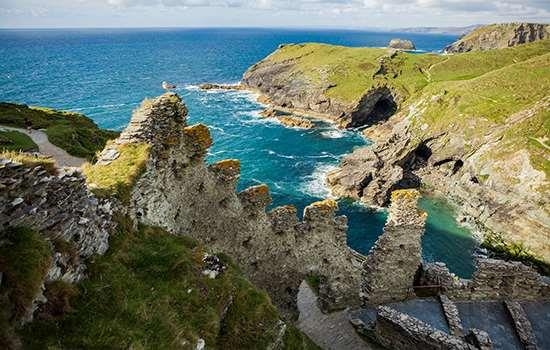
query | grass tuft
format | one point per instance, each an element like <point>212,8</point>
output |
<point>31,160</point>
<point>118,177</point>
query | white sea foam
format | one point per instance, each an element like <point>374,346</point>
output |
<point>315,184</point>
<point>279,155</point>
<point>191,87</point>
<point>333,134</point>
<point>100,106</point>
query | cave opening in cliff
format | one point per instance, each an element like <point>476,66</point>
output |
<point>375,107</point>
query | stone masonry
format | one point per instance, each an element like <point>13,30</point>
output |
<point>493,279</point>
<point>59,206</point>
<point>391,266</point>
<point>277,250</point>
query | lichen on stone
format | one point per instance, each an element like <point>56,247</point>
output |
<point>199,136</point>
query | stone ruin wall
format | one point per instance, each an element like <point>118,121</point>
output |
<point>390,268</point>
<point>493,279</point>
<point>62,209</point>
<point>277,250</point>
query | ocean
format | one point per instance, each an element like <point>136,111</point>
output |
<point>105,73</point>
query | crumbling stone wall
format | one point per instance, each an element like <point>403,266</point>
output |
<point>493,279</point>
<point>277,250</point>
<point>60,207</point>
<point>390,268</point>
<point>399,331</point>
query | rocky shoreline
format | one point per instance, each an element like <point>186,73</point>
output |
<point>483,167</point>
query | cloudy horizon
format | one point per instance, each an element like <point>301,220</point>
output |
<point>368,14</point>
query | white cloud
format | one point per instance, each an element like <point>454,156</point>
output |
<point>381,13</point>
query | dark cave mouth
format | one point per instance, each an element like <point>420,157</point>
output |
<point>375,107</point>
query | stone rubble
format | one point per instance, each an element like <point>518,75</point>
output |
<point>522,324</point>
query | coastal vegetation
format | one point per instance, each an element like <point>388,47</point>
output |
<point>349,72</point>
<point>73,132</point>
<point>516,251</point>
<point>25,258</point>
<point>117,177</point>
<point>30,160</point>
<point>148,291</point>
<point>11,140</point>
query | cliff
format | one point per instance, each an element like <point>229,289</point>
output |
<point>498,36</point>
<point>135,250</point>
<point>180,192</point>
<point>469,126</point>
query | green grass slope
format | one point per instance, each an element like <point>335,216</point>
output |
<point>479,105</point>
<point>16,141</point>
<point>350,72</point>
<point>73,132</point>
<point>148,292</point>
<point>25,258</point>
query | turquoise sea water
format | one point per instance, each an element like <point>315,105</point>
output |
<point>106,73</point>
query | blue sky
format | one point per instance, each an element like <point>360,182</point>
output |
<point>268,13</point>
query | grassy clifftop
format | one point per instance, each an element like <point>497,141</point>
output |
<point>149,292</point>
<point>348,73</point>
<point>470,93</point>
<point>73,132</point>
<point>486,112</point>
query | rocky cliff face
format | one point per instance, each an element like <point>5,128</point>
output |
<point>486,196</point>
<point>180,192</point>
<point>470,127</point>
<point>73,224</point>
<point>498,36</point>
<point>283,81</point>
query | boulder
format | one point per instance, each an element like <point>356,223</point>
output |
<point>401,44</point>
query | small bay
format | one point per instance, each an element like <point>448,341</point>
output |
<point>105,73</point>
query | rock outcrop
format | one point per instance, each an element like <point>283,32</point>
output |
<point>58,205</point>
<point>290,120</point>
<point>180,192</point>
<point>391,266</point>
<point>498,36</point>
<point>507,195</point>
<point>401,44</point>
<point>288,87</point>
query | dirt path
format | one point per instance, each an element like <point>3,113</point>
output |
<point>62,158</point>
<point>428,72</point>
<point>330,331</point>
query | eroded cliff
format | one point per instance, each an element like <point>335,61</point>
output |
<point>470,126</point>
<point>498,36</point>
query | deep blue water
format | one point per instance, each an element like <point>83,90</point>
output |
<point>105,73</point>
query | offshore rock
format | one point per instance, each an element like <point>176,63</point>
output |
<point>498,36</point>
<point>401,44</point>
<point>390,268</point>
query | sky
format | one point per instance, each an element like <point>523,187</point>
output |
<point>383,14</point>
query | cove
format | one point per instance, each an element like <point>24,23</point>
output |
<point>105,73</point>
<point>294,162</point>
